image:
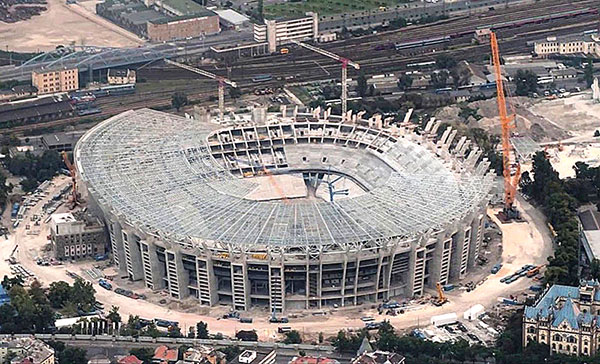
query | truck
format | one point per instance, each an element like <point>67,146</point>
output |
<point>445,319</point>
<point>246,320</point>
<point>496,268</point>
<point>104,284</point>
<point>536,288</point>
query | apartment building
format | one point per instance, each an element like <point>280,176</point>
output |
<point>280,31</point>
<point>57,80</point>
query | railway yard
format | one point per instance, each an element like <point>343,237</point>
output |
<point>375,53</point>
<point>212,176</point>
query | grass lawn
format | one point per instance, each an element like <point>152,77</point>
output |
<point>327,7</point>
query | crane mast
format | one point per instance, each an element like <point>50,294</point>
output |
<point>72,171</point>
<point>345,63</point>
<point>507,123</point>
<point>222,82</point>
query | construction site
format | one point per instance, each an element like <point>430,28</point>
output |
<point>247,215</point>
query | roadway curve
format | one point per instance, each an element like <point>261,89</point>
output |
<point>523,243</point>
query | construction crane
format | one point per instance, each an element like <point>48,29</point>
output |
<point>507,123</point>
<point>441,298</point>
<point>222,82</point>
<point>345,63</point>
<point>72,171</point>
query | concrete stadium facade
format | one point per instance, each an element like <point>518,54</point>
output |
<point>175,196</point>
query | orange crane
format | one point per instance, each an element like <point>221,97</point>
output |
<point>511,180</point>
<point>345,63</point>
<point>222,82</point>
<point>72,171</point>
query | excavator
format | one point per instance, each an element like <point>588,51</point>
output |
<point>441,298</point>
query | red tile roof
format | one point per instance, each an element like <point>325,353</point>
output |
<point>131,359</point>
<point>164,353</point>
<point>312,360</point>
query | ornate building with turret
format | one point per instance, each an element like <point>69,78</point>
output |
<point>565,318</point>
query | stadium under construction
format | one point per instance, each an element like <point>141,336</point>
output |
<point>285,210</point>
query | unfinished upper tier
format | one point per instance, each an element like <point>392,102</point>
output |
<point>190,187</point>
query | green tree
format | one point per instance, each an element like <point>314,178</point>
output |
<point>235,93</point>
<point>174,331</point>
<point>588,73</point>
<point>114,315</point>
<point>202,330</point>
<point>444,61</point>
<point>231,352</point>
<point>260,11</point>
<point>8,282</point>
<point>361,85</point>
<point>37,293</point>
<point>526,82</point>
<point>439,79</point>
<point>144,354</point>
<point>72,355</point>
<point>178,100</point>
<point>83,294</point>
<point>292,337</point>
<point>405,82</point>
<point>247,335</point>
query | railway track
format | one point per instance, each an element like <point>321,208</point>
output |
<point>359,49</point>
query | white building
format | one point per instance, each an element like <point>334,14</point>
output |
<point>277,32</point>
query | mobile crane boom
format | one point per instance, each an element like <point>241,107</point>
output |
<point>507,123</point>
<point>73,172</point>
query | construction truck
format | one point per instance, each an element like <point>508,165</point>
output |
<point>441,298</point>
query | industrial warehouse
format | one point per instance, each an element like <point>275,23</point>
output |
<point>189,210</point>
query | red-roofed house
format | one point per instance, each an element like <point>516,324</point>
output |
<point>164,355</point>
<point>130,359</point>
<point>312,360</point>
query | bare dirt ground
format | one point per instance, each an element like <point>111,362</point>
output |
<point>523,243</point>
<point>543,120</point>
<point>576,114</point>
<point>65,24</point>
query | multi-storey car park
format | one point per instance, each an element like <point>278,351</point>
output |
<point>189,212</point>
